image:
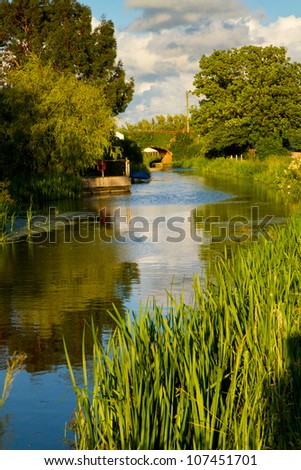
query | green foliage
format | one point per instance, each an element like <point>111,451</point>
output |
<point>251,93</point>
<point>290,180</point>
<point>221,373</point>
<point>164,132</point>
<point>176,122</point>
<point>147,138</point>
<point>281,173</point>
<point>268,146</point>
<point>52,122</point>
<point>185,145</point>
<point>159,132</point>
<point>60,32</point>
<point>130,150</point>
<point>6,206</point>
<point>294,138</point>
<point>51,187</point>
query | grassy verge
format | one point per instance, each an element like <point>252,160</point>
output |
<point>283,173</point>
<point>46,188</point>
<point>222,373</point>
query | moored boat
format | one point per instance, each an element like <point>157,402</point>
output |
<point>140,177</point>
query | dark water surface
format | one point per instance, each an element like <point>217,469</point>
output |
<point>145,243</point>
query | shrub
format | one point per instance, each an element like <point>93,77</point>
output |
<point>268,146</point>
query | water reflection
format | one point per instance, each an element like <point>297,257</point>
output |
<point>170,228</point>
<point>51,287</point>
<point>240,221</point>
<point>49,290</point>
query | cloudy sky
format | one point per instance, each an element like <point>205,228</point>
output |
<point>161,41</point>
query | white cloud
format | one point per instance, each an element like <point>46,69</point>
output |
<point>143,87</point>
<point>170,13</point>
<point>162,48</point>
<point>286,31</point>
<point>95,23</point>
<point>136,52</point>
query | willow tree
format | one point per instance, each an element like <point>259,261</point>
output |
<point>246,95</point>
<point>60,33</point>
<point>53,122</point>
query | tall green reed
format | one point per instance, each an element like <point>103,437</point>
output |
<point>14,366</point>
<point>50,187</point>
<point>216,374</point>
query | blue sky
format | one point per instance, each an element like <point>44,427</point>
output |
<point>114,10</point>
<point>122,16</point>
<point>275,8</point>
<point>161,41</point>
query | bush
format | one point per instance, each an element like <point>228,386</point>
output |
<point>268,146</point>
<point>130,150</point>
<point>184,146</point>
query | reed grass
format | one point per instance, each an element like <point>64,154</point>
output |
<point>274,171</point>
<point>50,187</point>
<point>14,366</point>
<point>221,373</point>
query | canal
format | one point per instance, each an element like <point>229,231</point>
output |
<point>130,250</point>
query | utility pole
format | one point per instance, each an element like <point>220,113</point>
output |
<point>187,111</point>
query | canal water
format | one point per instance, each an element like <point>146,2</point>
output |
<point>121,251</point>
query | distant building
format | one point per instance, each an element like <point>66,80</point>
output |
<point>151,151</point>
<point>119,135</point>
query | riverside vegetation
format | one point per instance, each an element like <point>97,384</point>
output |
<point>14,366</point>
<point>221,373</point>
<point>279,172</point>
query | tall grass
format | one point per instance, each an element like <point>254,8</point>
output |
<point>14,366</point>
<point>221,373</point>
<point>50,187</point>
<point>274,171</point>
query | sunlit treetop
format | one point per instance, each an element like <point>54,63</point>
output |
<point>60,33</point>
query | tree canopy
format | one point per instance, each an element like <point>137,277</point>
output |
<point>51,122</point>
<point>60,33</point>
<point>175,122</point>
<point>246,95</point>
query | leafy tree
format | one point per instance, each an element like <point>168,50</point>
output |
<point>246,95</point>
<point>131,151</point>
<point>60,33</point>
<point>53,122</point>
<point>294,139</point>
<point>184,146</point>
<point>176,123</point>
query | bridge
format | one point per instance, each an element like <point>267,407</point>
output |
<point>157,157</point>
